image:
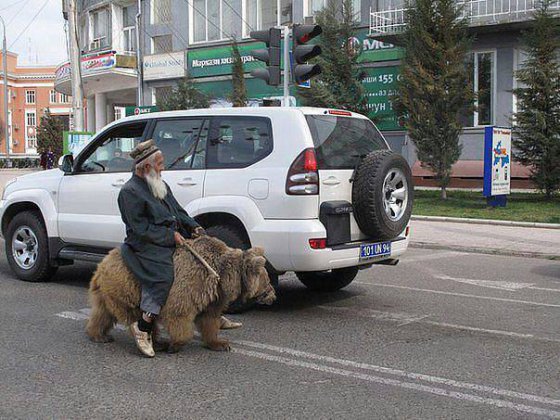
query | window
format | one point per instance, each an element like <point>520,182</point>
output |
<point>161,94</point>
<point>211,20</point>
<point>101,28</point>
<point>314,6</point>
<point>29,96</point>
<point>238,142</point>
<point>52,96</point>
<point>112,154</point>
<point>31,129</point>
<point>177,139</point>
<point>340,141</point>
<point>162,44</point>
<point>129,27</point>
<point>161,11</point>
<point>484,83</point>
<point>64,98</point>
<point>264,14</point>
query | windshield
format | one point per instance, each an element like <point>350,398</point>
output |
<point>340,141</point>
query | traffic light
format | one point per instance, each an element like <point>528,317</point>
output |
<point>270,55</point>
<point>302,53</point>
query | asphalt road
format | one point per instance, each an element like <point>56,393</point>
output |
<point>442,335</point>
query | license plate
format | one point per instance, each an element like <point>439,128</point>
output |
<point>370,251</point>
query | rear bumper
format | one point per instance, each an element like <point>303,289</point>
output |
<point>286,244</point>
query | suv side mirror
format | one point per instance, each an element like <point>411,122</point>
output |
<point>66,163</point>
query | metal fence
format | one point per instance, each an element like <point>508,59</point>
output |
<point>478,12</point>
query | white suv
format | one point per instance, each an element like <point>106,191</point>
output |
<point>318,189</point>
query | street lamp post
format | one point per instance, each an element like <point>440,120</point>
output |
<point>5,70</point>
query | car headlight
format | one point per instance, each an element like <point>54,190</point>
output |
<point>10,182</point>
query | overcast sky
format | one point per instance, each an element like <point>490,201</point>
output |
<point>43,42</point>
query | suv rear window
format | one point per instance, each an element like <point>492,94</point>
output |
<point>339,141</point>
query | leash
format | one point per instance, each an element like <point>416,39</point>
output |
<point>201,259</point>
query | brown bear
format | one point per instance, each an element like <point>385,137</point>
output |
<point>197,296</point>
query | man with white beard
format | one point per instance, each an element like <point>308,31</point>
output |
<point>155,224</point>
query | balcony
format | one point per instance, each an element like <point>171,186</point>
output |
<point>101,71</point>
<point>477,12</point>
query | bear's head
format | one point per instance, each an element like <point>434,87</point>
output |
<point>254,277</point>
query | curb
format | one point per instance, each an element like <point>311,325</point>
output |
<point>488,251</point>
<point>487,222</point>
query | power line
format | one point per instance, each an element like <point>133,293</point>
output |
<point>17,13</point>
<point>12,5</point>
<point>237,13</point>
<point>29,24</point>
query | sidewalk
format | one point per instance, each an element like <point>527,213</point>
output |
<point>487,239</point>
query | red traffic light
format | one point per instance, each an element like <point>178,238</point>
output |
<point>305,33</point>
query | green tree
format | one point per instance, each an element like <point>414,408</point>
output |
<point>340,83</point>
<point>537,128</point>
<point>185,95</point>
<point>49,134</point>
<point>239,92</point>
<point>435,89</point>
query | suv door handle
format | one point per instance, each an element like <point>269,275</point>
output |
<point>118,183</point>
<point>187,182</point>
<point>331,180</point>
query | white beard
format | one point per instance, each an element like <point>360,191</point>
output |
<point>156,184</point>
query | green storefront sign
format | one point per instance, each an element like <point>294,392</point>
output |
<point>380,85</point>
<point>217,61</point>
<point>138,110</point>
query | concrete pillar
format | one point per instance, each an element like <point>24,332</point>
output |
<point>110,113</point>
<point>100,111</point>
<point>90,114</point>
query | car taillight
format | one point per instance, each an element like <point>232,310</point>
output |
<point>303,176</point>
<point>320,243</point>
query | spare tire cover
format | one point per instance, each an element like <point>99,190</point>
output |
<point>382,194</point>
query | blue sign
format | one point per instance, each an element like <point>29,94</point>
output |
<point>497,164</point>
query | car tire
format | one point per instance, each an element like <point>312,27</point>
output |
<point>328,281</point>
<point>32,263</point>
<point>234,238</point>
<point>382,194</point>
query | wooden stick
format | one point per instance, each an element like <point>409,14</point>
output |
<point>202,260</point>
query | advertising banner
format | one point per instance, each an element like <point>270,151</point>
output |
<point>217,61</point>
<point>90,64</point>
<point>75,141</point>
<point>497,161</point>
<point>380,85</point>
<point>138,110</point>
<point>164,66</point>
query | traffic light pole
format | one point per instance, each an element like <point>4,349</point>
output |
<point>286,101</point>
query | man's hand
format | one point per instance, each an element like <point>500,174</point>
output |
<point>197,232</point>
<point>179,239</point>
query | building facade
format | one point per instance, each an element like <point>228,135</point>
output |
<point>180,37</point>
<point>30,92</point>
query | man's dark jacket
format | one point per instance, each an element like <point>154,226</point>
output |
<point>150,235</point>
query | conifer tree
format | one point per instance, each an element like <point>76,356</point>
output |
<point>239,91</point>
<point>435,89</point>
<point>185,96</point>
<point>340,83</point>
<point>537,121</point>
<point>49,134</point>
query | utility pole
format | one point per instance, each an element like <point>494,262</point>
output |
<point>286,101</point>
<point>139,68</point>
<point>76,68</point>
<point>6,90</point>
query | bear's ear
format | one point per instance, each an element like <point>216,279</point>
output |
<point>256,251</point>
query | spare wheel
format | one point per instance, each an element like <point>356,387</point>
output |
<point>382,194</point>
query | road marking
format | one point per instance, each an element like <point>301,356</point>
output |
<point>432,257</point>
<point>82,315</point>
<point>401,384</point>
<point>545,289</point>
<point>440,292</point>
<point>405,319</point>
<point>492,284</point>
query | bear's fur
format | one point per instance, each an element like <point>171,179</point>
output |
<point>196,295</point>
